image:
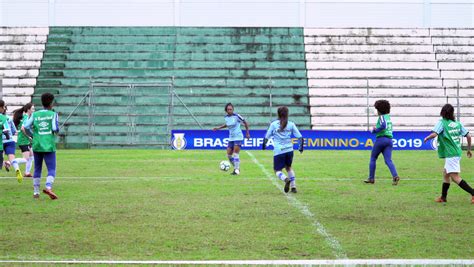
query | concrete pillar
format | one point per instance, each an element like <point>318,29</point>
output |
<point>51,13</point>
<point>427,13</point>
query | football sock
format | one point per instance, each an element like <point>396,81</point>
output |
<point>231,159</point>
<point>49,182</point>
<point>36,185</point>
<point>444,192</point>
<point>29,163</point>
<point>236,161</point>
<point>21,160</point>
<point>15,164</point>
<point>281,175</point>
<point>466,187</point>
<point>291,174</point>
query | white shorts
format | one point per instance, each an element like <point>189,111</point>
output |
<point>452,164</point>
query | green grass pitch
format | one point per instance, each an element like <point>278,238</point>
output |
<point>178,205</point>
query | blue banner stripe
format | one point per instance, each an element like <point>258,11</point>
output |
<point>314,140</point>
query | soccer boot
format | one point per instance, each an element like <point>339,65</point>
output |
<point>440,200</point>
<point>369,181</point>
<point>235,172</point>
<point>7,165</point>
<point>293,190</point>
<point>287,185</point>
<point>395,180</point>
<point>28,175</point>
<point>50,193</point>
<point>36,196</point>
<point>472,200</point>
<point>19,177</point>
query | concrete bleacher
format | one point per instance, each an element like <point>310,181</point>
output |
<point>210,66</point>
<point>21,51</point>
<point>412,68</point>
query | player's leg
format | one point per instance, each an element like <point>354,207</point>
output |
<point>37,173</point>
<point>10,151</point>
<point>28,156</point>
<point>290,171</point>
<point>376,150</point>
<point>278,166</point>
<point>444,188</point>
<point>236,157</point>
<point>463,184</point>
<point>50,160</point>
<point>387,155</point>
<point>6,163</point>
<point>230,151</point>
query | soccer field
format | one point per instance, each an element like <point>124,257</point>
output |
<point>178,205</point>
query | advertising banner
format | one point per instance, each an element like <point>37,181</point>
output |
<point>314,140</point>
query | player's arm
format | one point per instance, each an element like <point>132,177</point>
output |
<point>383,125</point>
<point>469,153</point>
<point>268,134</point>
<point>219,127</point>
<point>431,136</point>
<point>55,126</point>
<point>298,135</point>
<point>438,129</point>
<point>465,133</point>
<point>12,127</point>
<point>246,125</point>
<point>6,130</point>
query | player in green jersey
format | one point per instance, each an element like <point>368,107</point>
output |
<point>20,116</point>
<point>44,125</point>
<point>450,133</point>
<point>4,126</point>
<point>383,143</point>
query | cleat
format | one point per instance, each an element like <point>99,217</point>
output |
<point>36,196</point>
<point>369,181</point>
<point>50,193</point>
<point>7,165</point>
<point>19,177</point>
<point>287,185</point>
<point>28,175</point>
<point>235,172</point>
<point>395,180</point>
<point>293,190</point>
<point>440,200</point>
<point>472,200</point>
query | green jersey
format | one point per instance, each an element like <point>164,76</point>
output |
<point>3,125</point>
<point>384,126</point>
<point>450,134</point>
<point>44,124</point>
<point>23,140</point>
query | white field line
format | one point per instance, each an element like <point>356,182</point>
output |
<point>330,240</point>
<point>241,177</point>
<point>342,262</point>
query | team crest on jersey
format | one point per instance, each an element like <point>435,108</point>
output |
<point>452,125</point>
<point>43,124</point>
<point>178,142</point>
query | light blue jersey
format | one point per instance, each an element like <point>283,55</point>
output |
<point>10,126</point>
<point>233,123</point>
<point>439,128</point>
<point>282,139</point>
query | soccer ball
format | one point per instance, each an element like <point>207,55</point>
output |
<point>224,165</point>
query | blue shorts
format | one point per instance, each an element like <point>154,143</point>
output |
<point>283,160</point>
<point>9,148</point>
<point>231,144</point>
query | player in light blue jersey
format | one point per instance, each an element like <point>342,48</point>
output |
<point>281,130</point>
<point>233,122</point>
<point>9,145</point>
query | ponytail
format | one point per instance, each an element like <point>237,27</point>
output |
<point>283,117</point>
<point>18,114</point>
